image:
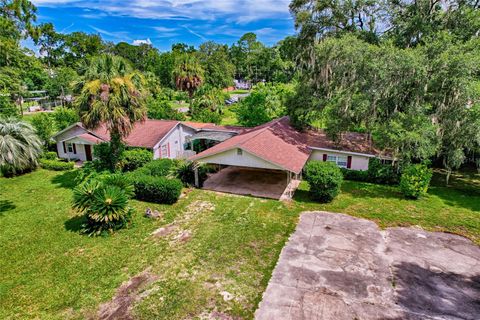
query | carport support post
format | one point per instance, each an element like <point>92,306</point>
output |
<point>197,182</point>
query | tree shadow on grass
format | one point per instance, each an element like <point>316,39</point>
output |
<point>468,199</point>
<point>75,223</point>
<point>6,205</point>
<point>66,180</point>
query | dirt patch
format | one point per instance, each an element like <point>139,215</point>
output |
<point>164,231</point>
<point>128,293</point>
<point>200,206</point>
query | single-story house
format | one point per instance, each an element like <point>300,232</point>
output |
<point>268,160</point>
<point>265,161</point>
<point>165,138</point>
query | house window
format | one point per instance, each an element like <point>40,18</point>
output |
<point>341,161</point>
<point>164,151</point>
<point>70,147</point>
<point>239,152</point>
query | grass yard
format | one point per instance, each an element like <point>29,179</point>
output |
<point>221,245</point>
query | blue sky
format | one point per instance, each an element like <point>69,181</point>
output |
<point>164,22</point>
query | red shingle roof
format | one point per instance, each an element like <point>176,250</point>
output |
<point>91,138</point>
<point>276,142</point>
<point>279,143</point>
<point>144,134</point>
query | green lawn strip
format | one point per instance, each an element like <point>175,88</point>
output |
<point>50,271</point>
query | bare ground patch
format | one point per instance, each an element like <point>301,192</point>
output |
<point>128,293</point>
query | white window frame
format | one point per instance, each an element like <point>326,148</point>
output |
<point>70,147</point>
<point>239,152</point>
<point>164,151</point>
<point>341,161</point>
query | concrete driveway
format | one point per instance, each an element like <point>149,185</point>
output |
<point>338,267</point>
<point>246,181</point>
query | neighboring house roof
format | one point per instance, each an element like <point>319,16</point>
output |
<point>281,144</point>
<point>348,142</point>
<point>276,142</point>
<point>144,134</point>
<point>213,127</point>
<point>90,138</point>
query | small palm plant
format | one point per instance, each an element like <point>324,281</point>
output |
<point>20,147</point>
<point>104,201</point>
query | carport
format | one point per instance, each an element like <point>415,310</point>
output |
<point>265,161</point>
<point>255,182</point>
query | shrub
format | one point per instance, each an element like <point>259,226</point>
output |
<point>208,116</point>
<point>415,181</point>
<point>158,168</point>
<point>105,207</point>
<point>65,117</point>
<point>161,109</point>
<point>136,158</point>
<point>185,171</point>
<point>355,175</point>
<point>382,173</point>
<point>56,165</point>
<point>105,158</point>
<point>156,189</point>
<point>50,155</point>
<point>325,180</point>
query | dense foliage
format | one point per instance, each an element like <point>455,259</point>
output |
<point>156,189</point>
<point>104,202</point>
<point>404,72</point>
<point>415,180</point>
<point>265,103</point>
<point>56,165</point>
<point>135,158</point>
<point>378,172</point>
<point>324,179</point>
<point>20,147</point>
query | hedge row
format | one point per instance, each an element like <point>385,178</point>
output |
<point>377,173</point>
<point>56,165</point>
<point>155,189</point>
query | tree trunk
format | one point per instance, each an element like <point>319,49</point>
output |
<point>115,148</point>
<point>449,172</point>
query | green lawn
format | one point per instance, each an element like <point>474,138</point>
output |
<point>50,271</point>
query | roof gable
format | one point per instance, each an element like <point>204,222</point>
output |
<point>276,142</point>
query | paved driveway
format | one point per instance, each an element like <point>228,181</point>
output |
<point>246,181</point>
<point>338,267</point>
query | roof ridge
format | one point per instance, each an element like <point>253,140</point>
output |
<point>261,130</point>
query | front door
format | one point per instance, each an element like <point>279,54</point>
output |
<point>88,152</point>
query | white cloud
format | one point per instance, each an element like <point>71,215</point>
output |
<point>238,11</point>
<point>139,42</point>
<point>195,33</point>
<point>117,35</point>
<point>165,29</point>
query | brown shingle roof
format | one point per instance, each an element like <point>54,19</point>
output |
<point>349,141</point>
<point>144,134</point>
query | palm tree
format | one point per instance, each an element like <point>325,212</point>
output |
<point>20,147</point>
<point>188,74</point>
<point>111,93</point>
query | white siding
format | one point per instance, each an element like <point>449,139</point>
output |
<point>80,148</point>
<point>173,142</point>
<point>358,162</point>
<point>73,132</point>
<point>231,158</point>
